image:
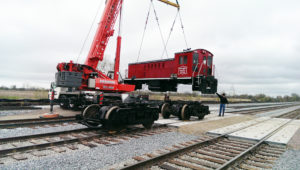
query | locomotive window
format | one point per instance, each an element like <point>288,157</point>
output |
<point>181,60</point>
<point>185,60</point>
<point>158,65</point>
<point>209,62</point>
<point>195,58</point>
<point>151,65</point>
<point>163,65</point>
<point>204,60</point>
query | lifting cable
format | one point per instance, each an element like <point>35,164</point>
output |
<point>170,33</point>
<point>147,18</point>
<point>183,30</point>
<point>162,38</point>
<point>87,36</point>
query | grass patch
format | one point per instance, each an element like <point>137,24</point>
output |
<point>15,94</point>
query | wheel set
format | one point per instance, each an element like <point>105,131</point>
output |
<point>183,110</point>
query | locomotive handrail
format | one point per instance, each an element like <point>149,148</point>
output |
<point>196,68</point>
<point>195,71</point>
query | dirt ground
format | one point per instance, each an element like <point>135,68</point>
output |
<point>202,127</point>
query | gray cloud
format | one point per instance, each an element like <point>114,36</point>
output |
<point>255,43</point>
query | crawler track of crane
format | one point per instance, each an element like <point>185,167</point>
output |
<point>17,147</point>
<point>35,122</point>
<point>218,152</point>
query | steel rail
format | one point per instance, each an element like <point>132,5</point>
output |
<point>252,148</point>
<point>25,137</point>
<point>262,108</point>
<point>38,121</point>
<point>161,158</point>
<point>60,142</point>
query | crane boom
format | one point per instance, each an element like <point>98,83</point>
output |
<point>104,32</point>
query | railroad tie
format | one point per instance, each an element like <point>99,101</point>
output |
<point>102,142</point>
<point>214,155</point>
<point>231,155</point>
<point>176,146</point>
<point>230,147</point>
<point>234,145</point>
<point>265,157</point>
<point>210,159</point>
<point>72,147</point>
<point>151,155</point>
<point>199,162</point>
<point>184,164</point>
<point>261,160</point>
<point>59,149</point>
<point>50,140</point>
<point>234,152</point>
<point>247,167</point>
<point>268,154</point>
<point>259,165</point>
<point>271,151</point>
<point>38,153</point>
<point>88,144</point>
<point>138,158</point>
<point>168,167</point>
<point>161,152</point>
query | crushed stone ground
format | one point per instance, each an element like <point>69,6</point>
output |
<point>201,128</point>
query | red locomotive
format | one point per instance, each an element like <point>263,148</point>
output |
<point>188,67</point>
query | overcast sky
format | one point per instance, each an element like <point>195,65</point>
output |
<point>256,43</point>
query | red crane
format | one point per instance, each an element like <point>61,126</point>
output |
<point>87,76</point>
<point>80,79</point>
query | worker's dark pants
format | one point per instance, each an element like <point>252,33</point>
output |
<point>222,109</point>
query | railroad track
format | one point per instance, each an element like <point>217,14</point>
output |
<point>23,147</point>
<point>255,110</point>
<point>35,122</point>
<point>290,115</point>
<point>214,153</point>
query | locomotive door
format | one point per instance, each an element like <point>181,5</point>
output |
<point>183,66</point>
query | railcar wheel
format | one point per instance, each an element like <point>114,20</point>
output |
<point>185,115</point>
<point>90,115</point>
<point>108,113</point>
<point>148,125</point>
<point>63,102</point>
<point>201,116</point>
<point>165,110</point>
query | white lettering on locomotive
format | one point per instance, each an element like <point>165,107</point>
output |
<point>182,70</point>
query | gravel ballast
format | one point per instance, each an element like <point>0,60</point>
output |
<point>6,133</point>
<point>102,156</point>
<point>289,160</point>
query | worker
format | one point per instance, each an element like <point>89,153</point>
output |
<point>223,102</point>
